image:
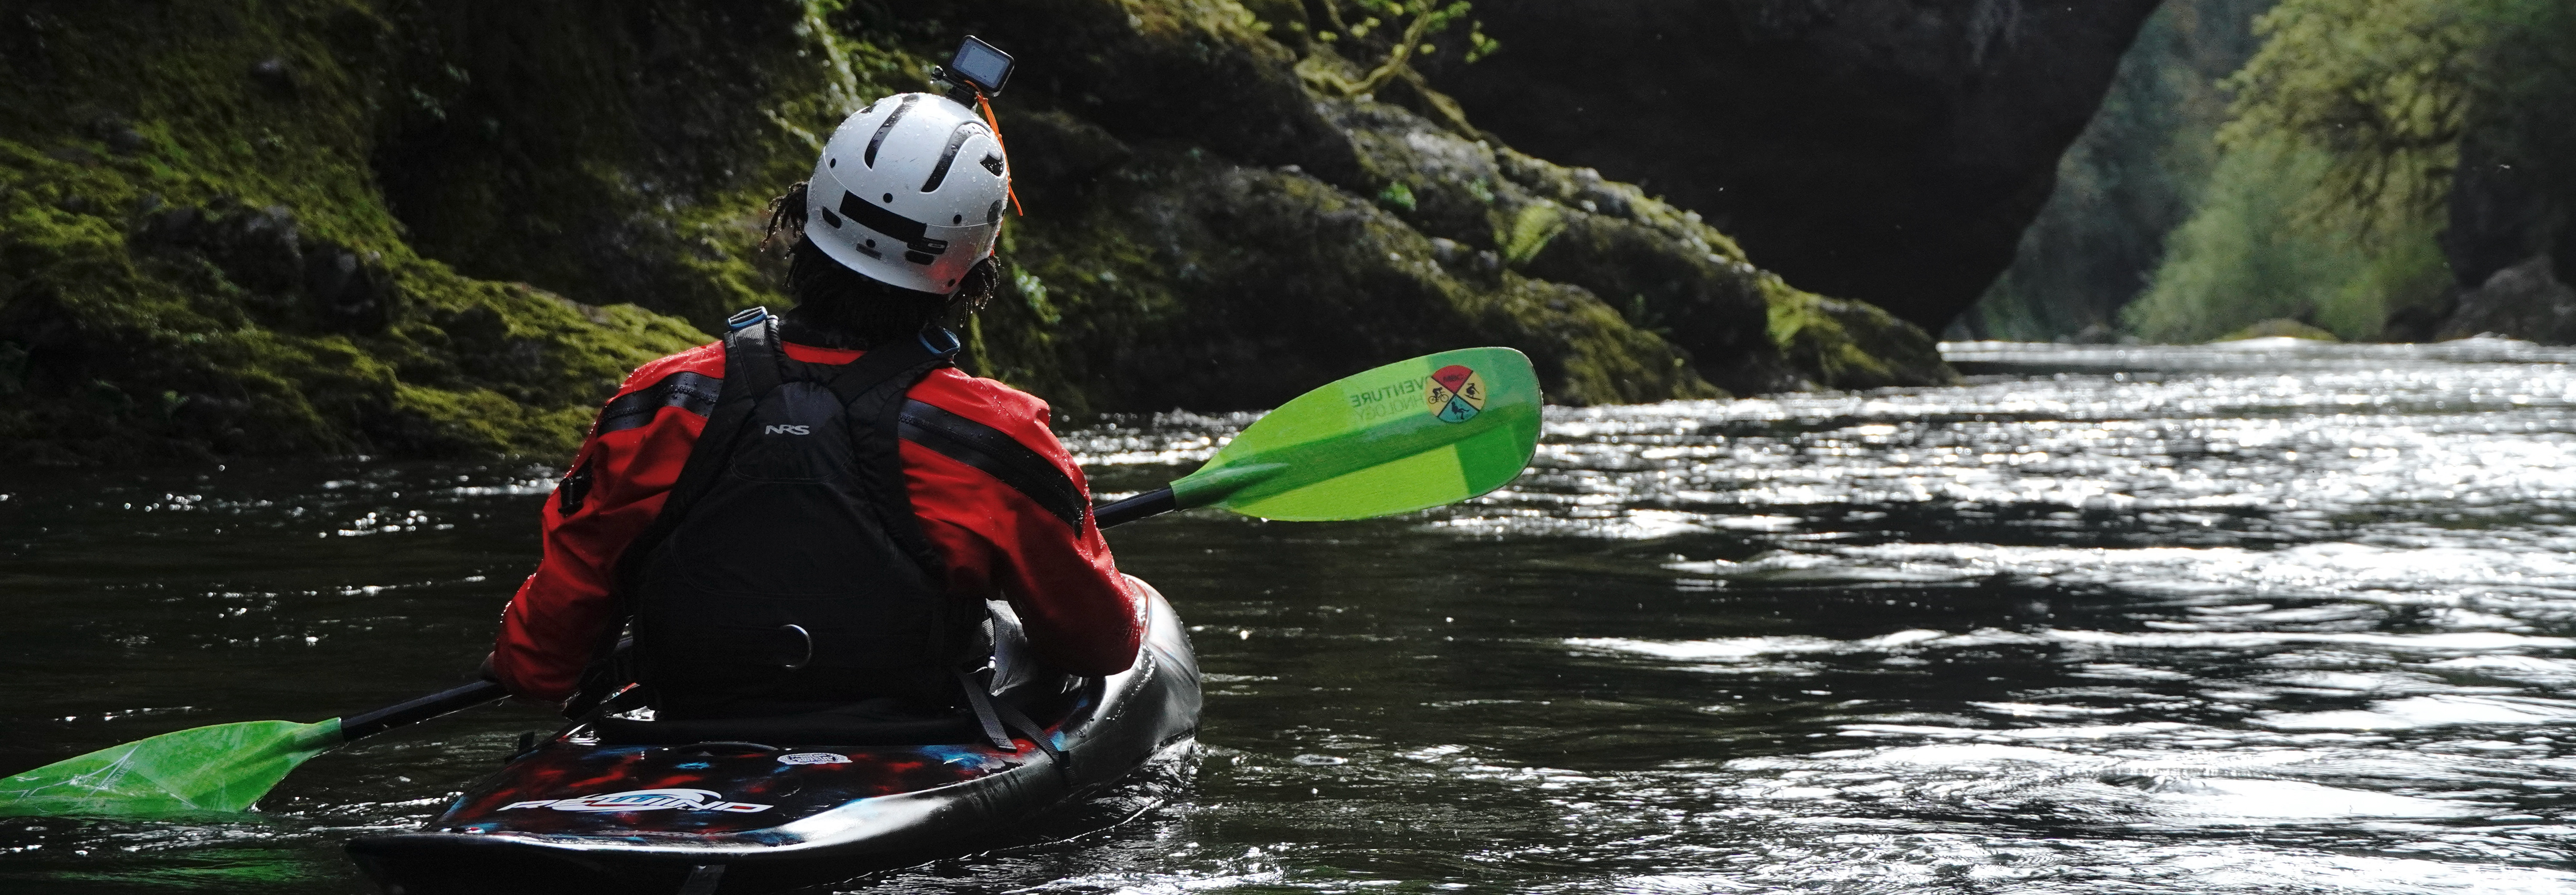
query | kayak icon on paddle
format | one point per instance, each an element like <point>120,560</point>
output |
<point>1456,395</point>
<point>644,800</point>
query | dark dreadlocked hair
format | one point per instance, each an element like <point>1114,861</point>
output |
<point>837,307</point>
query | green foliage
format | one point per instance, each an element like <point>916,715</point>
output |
<point>1428,19</point>
<point>2344,135</point>
<point>1397,195</point>
<point>1529,232</point>
<point>2380,87</point>
<point>1480,46</point>
<point>2248,255</point>
<point>2347,129</point>
<point>2128,180</point>
<point>2527,115</point>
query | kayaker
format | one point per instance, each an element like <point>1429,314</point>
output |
<point>799,577</point>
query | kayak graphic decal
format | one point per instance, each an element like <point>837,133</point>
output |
<point>793,791</point>
<point>1456,395</point>
<point>514,800</point>
<point>813,758</point>
<point>644,800</point>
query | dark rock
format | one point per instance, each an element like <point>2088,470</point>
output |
<point>1155,71</point>
<point>1055,155</point>
<point>2419,323</point>
<point>2096,334</point>
<point>1853,345</point>
<point>274,74</point>
<point>1203,227</point>
<point>118,133</point>
<point>1691,281</point>
<point>2526,301</point>
<point>1888,150</point>
<point>173,227</point>
<point>2501,215</point>
<point>209,414</point>
<point>347,293</point>
<point>258,249</point>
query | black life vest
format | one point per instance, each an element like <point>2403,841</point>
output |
<point>788,574</point>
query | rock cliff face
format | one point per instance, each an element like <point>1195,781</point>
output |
<point>321,226</point>
<point>1886,150</point>
<point>2526,301</point>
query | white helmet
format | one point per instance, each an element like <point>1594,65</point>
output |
<point>909,192</point>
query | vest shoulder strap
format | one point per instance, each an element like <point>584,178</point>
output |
<point>752,368</point>
<point>871,390</point>
<point>752,361</point>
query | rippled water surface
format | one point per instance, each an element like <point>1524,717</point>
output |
<point>2264,617</point>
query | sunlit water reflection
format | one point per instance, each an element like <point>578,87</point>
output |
<point>2263,617</point>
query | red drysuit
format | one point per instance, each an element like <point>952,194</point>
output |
<point>1078,612</point>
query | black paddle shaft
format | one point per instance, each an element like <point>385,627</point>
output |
<point>422,709</point>
<point>1150,503</point>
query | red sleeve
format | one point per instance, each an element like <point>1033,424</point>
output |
<point>617,484</point>
<point>1078,611</point>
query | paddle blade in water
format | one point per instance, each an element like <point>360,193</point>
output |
<point>1410,435</point>
<point>224,767</point>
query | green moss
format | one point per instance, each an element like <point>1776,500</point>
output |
<point>1529,232</point>
<point>1397,195</point>
<point>2279,328</point>
<point>1186,281</point>
<point>197,259</point>
<point>382,226</point>
<point>1849,344</point>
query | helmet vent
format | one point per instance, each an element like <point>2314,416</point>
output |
<point>994,216</point>
<point>830,218</point>
<point>886,127</point>
<point>993,163</point>
<point>956,140</point>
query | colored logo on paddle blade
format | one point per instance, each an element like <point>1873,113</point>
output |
<point>1456,395</point>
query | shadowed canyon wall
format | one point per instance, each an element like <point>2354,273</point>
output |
<point>1890,151</point>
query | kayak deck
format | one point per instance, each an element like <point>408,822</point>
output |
<point>577,815</point>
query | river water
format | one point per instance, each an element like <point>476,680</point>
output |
<point>2262,617</point>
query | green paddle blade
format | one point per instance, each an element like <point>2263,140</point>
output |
<point>224,767</point>
<point>1407,436</point>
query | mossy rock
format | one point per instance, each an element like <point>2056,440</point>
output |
<point>2279,328</point>
<point>195,256</point>
<point>1852,345</point>
<point>387,227</point>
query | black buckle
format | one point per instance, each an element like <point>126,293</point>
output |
<point>934,349</point>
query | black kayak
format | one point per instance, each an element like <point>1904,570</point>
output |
<point>619,806</point>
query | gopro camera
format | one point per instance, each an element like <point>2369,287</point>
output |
<point>981,65</point>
